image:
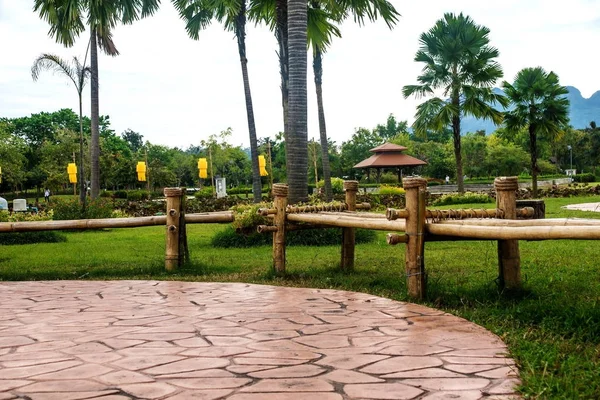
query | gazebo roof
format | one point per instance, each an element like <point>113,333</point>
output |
<point>389,155</point>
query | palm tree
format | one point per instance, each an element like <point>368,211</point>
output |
<point>540,105</point>
<point>321,28</point>
<point>296,142</point>
<point>197,15</point>
<point>459,60</point>
<point>68,19</point>
<point>78,74</point>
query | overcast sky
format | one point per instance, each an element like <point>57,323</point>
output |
<point>176,91</point>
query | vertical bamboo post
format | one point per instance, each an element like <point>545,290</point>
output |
<point>509,259</point>
<point>173,212</point>
<point>184,252</point>
<point>349,234</point>
<point>280,193</point>
<point>416,189</point>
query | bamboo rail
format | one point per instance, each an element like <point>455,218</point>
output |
<point>523,223</point>
<point>378,224</point>
<point>288,227</point>
<point>105,223</point>
<point>461,213</point>
<point>394,239</point>
<point>313,209</point>
<point>579,232</point>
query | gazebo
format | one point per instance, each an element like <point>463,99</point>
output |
<point>389,155</point>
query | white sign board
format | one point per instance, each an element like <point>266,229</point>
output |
<point>221,187</point>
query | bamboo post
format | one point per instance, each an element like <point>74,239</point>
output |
<point>509,260</point>
<point>349,234</point>
<point>184,252</point>
<point>280,192</point>
<point>173,212</point>
<point>415,229</point>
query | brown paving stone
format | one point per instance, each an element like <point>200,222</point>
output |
<point>71,395</point>
<point>298,371</point>
<point>186,340</point>
<point>456,395</point>
<point>448,383</point>
<point>201,394</point>
<point>210,383</point>
<point>286,396</point>
<point>392,391</point>
<point>401,363</point>
<point>192,364</point>
<point>345,376</point>
<point>124,377</point>
<point>154,390</point>
<point>289,385</point>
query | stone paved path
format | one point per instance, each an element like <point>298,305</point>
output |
<point>118,340</point>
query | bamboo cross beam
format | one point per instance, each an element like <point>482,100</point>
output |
<point>316,208</point>
<point>107,223</point>
<point>515,233</point>
<point>394,239</point>
<point>523,223</point>
<point>457,214</point>
<point>341,221</point>
<point>288,227</point>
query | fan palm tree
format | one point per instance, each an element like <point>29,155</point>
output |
<point>322,16</point>
<point>296,142</point>
<point>197,15</point>
<point>68,19</point>
<point>78,74</point>
<point>540,105</point>
<point>458,60</point>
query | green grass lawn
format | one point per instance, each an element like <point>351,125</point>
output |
<point>552,328</point>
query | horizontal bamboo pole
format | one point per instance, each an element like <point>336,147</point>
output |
<point>515,233</point>
<point>288,227</point>
<point>522,223</point>
<point>392,214</point>
<point>394,239</point>
<point>312,209</point>
<point>354,214</point>
<point>31,226</point>
<point>348,222</point>
<point>525,212</point>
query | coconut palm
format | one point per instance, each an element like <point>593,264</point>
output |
<point>322,16</point>
<point>198,14</point>
<point>458,60</point>
<point>68,19</point>
<point>78,74</point>
<point>540,105</point>
<point>296,142</point>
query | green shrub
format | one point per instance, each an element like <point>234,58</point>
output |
<point>10,238</point>
<point>585,177</point>
<point>313,237</point>
<point>138,195</point>
<point>466,198</point>
<point>391,190</point>
<point>71,209</point>
<point>388,177</point>
<point>204,193</point>
<point>106,193</point>
<point>5,216</point>
<point>120,194</point>
<point>337,185</point>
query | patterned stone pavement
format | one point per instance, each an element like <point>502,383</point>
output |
<point>69,340</point>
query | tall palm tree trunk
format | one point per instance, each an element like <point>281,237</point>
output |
<point>281,33</point>
<point>241,38</point>
<point>297,138</point>
<point>318,72</point>
<point>534,166</point>
<point>95,145</point>
<point>81,170</point>
<point>458,154</point>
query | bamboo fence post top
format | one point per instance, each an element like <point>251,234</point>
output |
<point>505,183</point>
<point>279,190</point>
<point>413,182</point>
<point>173,192</point>
<point>351,186</point>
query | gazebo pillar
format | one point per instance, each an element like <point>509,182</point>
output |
<point>378,175</point>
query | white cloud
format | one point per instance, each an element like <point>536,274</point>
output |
<point>176,91</point>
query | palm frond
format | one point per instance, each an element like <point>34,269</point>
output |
<point>419,91</point>
<point>52,62</point>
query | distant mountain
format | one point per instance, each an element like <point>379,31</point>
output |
<point>581,112</point>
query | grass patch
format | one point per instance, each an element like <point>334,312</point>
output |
<point>552,328</point>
